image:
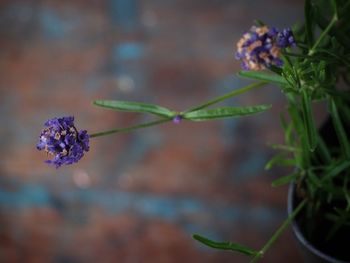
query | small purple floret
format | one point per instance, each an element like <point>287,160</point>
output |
<point>63,141</point>
<point>177,119</point>
<point>272,32</point>
<point>285,38</point>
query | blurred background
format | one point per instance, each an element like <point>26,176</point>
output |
<point>136,197</point>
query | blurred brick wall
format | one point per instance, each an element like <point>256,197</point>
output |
<point>135,197</point>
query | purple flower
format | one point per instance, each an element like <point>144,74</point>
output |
<point>63,141</point>
<point>177,119</point>
<point>285,38</point>
<point>260,48</point>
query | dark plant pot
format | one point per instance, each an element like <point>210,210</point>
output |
<point>309,252</point>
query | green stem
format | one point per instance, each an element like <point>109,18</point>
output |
<point>131,128</point>
<point>226,96</point>
<point>323,34</point>
<point>334,5</point>
<point>278,232</point>
<point>285,147</point>
<point>201,106</point>
<point>295,55</point>
<point>296,75</point>
<point>344,60</point>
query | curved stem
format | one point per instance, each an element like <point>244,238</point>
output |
<point>226,96</point>
<point>323,34</point>
<point>131,128</point>
<point>278,232</point>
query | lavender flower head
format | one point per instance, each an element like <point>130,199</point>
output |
<point>260,48</point>
<point>63,141</point>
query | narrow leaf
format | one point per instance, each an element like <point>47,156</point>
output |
<point>134,107</point>
<point>336,169</point>
<point>224,112</point>
<point>309,123</point>
<point>323,22</point>
<point>225,245</point>
<point>285,179</point>
<point>323,150</point>
<point>285,148</point>
<point>303,158</point>
<point>281,160</point>
<point>335,8</point>
<point>259,22</point>
<point>339,129</point>
<point>288,130</point>
<point>313,178</point>
<point>264,76</point>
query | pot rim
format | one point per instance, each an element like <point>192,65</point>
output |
<point>299,235</point>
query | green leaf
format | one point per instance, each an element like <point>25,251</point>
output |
<point>302,159</point>
<point>335,8</point>
<point>134,107</point>
<point>309,123</point>
<point>276,70</point>
<point>264,76</point>
<point>323,150</point>
<point>224,112</point>
<point>322,22</point>
<point>281,160</point>
<point>347,194</point>
<point>285,148</point>
<point>288,130</point>
<point>313,178</point>
<point>225,245</point>
<point>259,22</point>
<point>336,169</point>
<point>334,55</point>
<point>285,179</point>
<point>339,129</point>
<point>231,94</point>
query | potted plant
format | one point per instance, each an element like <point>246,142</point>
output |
<point>318,202</point>
<point>310,64</point>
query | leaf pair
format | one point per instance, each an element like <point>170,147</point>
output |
<point>196,115</point>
